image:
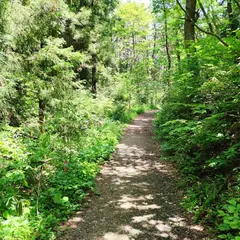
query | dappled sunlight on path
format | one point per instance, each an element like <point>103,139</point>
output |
<point>138,195</point>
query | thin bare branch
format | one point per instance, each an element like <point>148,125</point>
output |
<point>206,16</point>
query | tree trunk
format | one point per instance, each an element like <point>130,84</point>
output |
<point>94,74</point>
<point>94,55</point>
<point>230,14</point>
<point>166,36</point>
<point>41,115</point>
<point>178,53</point>
<point>154,41</point>
<point>233,23</point>
<point>189,30</point>
<point>189,35</point>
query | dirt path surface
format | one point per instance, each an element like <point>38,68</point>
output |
<point>138,195</point>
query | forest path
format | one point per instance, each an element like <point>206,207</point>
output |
<point>138,198</point>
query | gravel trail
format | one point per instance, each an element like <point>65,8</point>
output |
<point>139,198</point>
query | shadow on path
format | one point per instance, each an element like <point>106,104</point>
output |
<point>138,195</point>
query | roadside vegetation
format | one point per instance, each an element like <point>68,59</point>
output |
<point>199,123</point>
<point>69,82</point>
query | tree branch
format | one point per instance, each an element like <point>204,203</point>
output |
<point>206,16</point>
<point>200,29</point>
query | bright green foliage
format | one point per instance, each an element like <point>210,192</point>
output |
<point>54,133</point>
<point>200,130</point>
<point>132,30</point>
<point>231,219</point>
<point>134,46</point>
<point>198,124</point>
<point>61,192</point>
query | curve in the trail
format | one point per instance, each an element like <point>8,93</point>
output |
<point>139,198</point>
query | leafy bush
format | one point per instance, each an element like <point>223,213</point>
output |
<point>198,126</point>
<point>230,215</point>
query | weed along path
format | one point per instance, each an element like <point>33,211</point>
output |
<point>138,197</point>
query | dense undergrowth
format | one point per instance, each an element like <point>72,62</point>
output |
<point>199,130</point>
<point>72,73</point>
<point>66,93</point>
<point>44,177</point>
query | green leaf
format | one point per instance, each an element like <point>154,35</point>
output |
<point>65,199</point>
<point>223,236</point>
<point>233,202</point>
<point>223,227</point>
<point>234,225</point>
<point>231,209</point>
<point>57,198</point>
<point>6,214</point>
<point>25,183</point>
<point>221,213</point>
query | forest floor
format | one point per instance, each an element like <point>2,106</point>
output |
<point>138,195</point>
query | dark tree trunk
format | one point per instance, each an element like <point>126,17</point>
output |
<point>94,55</point>
<point>233,23</point>
<point>189,30</point>
<point>94,74</point>
<point>230,14</point>
<point>41,115</point>
<point>191,17</point>
<point>178,53</point>
<point>166,37</point>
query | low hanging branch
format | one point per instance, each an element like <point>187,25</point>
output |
<point>200,29</point>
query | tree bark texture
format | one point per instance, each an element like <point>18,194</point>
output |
<point>189,30</point>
